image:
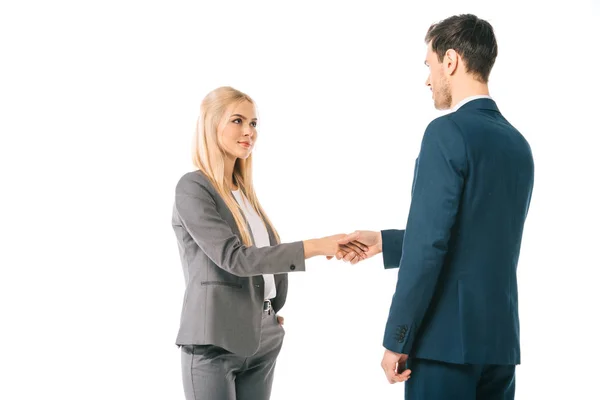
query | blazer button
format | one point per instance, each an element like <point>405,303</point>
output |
<point>257,286</point>
<point>292,267</point>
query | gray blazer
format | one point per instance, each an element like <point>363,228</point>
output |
<point>224,295</point>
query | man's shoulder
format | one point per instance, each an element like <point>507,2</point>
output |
<point>461,123</point>
<point>442,127</point>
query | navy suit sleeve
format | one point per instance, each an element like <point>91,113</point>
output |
<point>437,190</point>
<point>391,245</point>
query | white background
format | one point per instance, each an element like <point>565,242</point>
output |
<point>98,106</point>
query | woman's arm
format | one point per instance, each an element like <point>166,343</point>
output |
<point>198,213</point>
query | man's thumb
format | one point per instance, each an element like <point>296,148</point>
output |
<point>349,238</point>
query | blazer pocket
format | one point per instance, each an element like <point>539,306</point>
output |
<point>220,283</point>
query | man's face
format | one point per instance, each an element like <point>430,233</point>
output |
<point>437,81</point>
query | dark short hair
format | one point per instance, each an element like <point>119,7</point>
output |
<point>471,37</point>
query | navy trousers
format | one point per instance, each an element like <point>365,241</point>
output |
<point>436,380</point>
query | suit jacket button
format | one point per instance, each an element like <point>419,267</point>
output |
<point>292,267</point>
<point>257,286</point>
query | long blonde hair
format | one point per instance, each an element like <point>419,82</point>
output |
<point>209,157</point>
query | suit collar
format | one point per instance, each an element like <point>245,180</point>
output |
<point>479,104</point>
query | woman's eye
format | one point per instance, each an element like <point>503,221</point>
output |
<point>237,121</point>
<point>253,124</point>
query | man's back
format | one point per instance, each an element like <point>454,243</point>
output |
<point>473,315</point>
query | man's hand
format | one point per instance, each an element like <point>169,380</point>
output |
<point>393,365</point>
<point>352,243</point>
<point>329,246</point>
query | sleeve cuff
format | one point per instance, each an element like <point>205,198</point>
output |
<point>391,246</point>
<point>398,339</point>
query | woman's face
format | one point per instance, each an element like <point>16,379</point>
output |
<point>238,136</point>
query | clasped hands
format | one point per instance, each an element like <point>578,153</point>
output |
<point>353,247</point>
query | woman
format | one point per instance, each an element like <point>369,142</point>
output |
<point>234,265</point>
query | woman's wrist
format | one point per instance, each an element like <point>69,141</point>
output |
<point>312,248</point>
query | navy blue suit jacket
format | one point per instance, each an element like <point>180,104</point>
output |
<point>456,297</point>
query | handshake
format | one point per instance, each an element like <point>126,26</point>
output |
<point>353,247</point>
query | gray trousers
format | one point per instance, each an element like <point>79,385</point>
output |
<point>212,373</point>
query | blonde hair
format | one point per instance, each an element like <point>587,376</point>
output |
<point>209,157</point>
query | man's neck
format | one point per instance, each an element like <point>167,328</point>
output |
<point>469,89</point>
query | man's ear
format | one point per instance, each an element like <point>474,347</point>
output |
<point>451,59</point>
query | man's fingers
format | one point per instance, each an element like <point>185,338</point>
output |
<point>401,378</point>
<point>390,374</point>
<point>349,255</point>
<point>361,245</point>
<point>353,253</point>
<point>393,377</point>
<point>405,374</point>
<point>344,252</point>
<point>356,248</point>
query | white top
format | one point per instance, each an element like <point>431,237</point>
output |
<point>468,99</point>
<point>260,235</point>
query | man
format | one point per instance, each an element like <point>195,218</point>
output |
<point>453,325</point>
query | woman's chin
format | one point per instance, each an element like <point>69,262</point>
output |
<point>244,155</point>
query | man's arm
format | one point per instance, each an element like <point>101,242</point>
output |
<point>437,191</point>
<point>391,244</point>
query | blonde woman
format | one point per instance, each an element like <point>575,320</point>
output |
<point>234,265</point>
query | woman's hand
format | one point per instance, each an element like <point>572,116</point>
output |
<point>329,246</point>
<point>280,320</point>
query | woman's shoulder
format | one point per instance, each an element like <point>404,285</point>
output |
<point>194,182</point>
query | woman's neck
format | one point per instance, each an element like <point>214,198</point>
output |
<point>229,166</point>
